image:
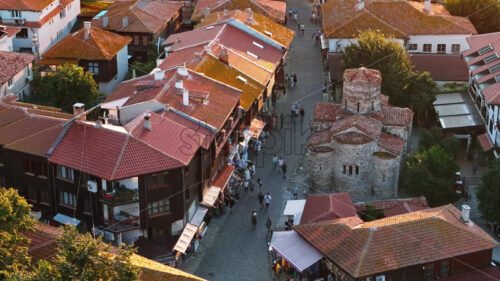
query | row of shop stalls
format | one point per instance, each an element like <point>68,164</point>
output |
<point>291,254</point>
<point>194,231</point>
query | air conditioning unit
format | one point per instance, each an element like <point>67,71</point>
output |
<point>92,186</point>
<point>380,278</point>
<point>109,236</point>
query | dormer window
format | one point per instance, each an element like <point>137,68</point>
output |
<point>485,49</point>
<point>258,45</point>
<point>490,58</point>
<point>252,55</point>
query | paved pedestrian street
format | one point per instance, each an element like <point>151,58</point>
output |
<point>232,250</point>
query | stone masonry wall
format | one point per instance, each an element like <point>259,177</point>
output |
<point>365,94</point>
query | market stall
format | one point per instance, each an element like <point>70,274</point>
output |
<point>289,246</point>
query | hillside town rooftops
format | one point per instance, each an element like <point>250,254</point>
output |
<point>11,63</point>
<point>275,10</point>
<point>25,5</point>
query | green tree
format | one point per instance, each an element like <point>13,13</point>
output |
<point>405,87</point>
<point>66,86</point>
<point>484,14</point>
<point>14,219</point>
<point>489,193</point>
<point>144,67</point>
<point>435,136</point>
<point>370,213</point>
<point>81,257</point>
<point>430,173</point>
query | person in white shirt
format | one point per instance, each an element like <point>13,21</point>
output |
<point>267,200</point>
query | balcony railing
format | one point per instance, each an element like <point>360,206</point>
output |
<point>120,197</point>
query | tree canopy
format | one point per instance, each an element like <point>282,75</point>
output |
<point>431,173</point>
<point>14,219</point>
<point>484,14</point>
<point>404,86</point>
<point>435,136</point>
<point>489,193</point>
<point>66,86</point>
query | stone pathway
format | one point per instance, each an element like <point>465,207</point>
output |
<point>232,250</point>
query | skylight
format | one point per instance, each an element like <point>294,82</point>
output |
<point>491,58</point>
<point>252,55</point>
<point>494,68</point>
<point>258,45</point>
<point>268,33</point>
<point>485,49</point>
<point>241,79</point>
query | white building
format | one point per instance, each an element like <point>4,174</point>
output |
<point>483,61</point>
<point>102,53</point>
<point>7,35</point>
<point>16,73</point>
<point>42,22</point>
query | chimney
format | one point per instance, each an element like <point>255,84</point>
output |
<point>427,5</point>
<point>225,12</point>
<point>465,213</point>
<point>182,71</point>
<point>360,5</point>
<point>124,21</point>
<point>185,97</point>
<point>86,29</point>
<point>105,21</point>
<point>223,57</point>
<point>179,84</point>
<point>147,121</point>
<point>250,15</point>
<point>159,75</point>
<point>78,108</point>
<point>207,12</point>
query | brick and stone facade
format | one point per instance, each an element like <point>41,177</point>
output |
<point>358,146</point>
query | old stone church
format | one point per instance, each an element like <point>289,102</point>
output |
<point>359,145</point>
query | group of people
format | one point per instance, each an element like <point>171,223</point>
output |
<point>292,80</point>
<point>317,37</point>
<point>293,13</point>
<point>297,110</point>
<point>279,162</point>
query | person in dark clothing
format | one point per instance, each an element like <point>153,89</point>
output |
<point>302,113</point>
<point>231,205</point>
<point>261,200</point>
<point>283,170</point>
<point>254,219</point>
<point>269,224</point>
<point>295,78</point>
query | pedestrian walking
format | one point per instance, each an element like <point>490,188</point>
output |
<point>269,224</point>
<point>292,82</point>
<point>254,219</point>
<point>231,205</point>
<point>292,110</point>
<point>261,200</point>
<point>275,161</point>
<point>290,13</point>
<point>267,200</point>
<point>283,170</point>
<point>296,17</point>
<point>302,28</point>
<point>251,185</point>
<point>259,184</point>
<point>302,113</point>
<point>298,26</point>
<point>245,185</point>
<point>295,78</point>
<point>297,110</point>
<point>295,192</point>
<point>280,163</point>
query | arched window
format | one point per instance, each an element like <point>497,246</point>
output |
<point>350,169</point>
<point>358,107</point>
<point>357,170</point>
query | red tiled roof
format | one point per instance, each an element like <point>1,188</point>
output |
<point>321,207</point>
<point>195,37</point>
<point>325,111</point>
<point>223,176</point>
<point>11,63</point>
<point>391,143</point>
<point>478,274</point>
<point>109,154</point>
<point>367,75</point>
<point>415,203</point>
<point>24,5</point>
<point>397,116</point>
<point>485,142</point>
<point>275,10</point>
<point>8,31</point>
<point>342,19</point>
<point>368,126</point>
<point>208,135</point>
<point>442,67</point>
<point>261,24</point>
<point>172,138</point>
<point>404,208</point>
<point>319,138</point>
<point>144,16</point>
<point>101,45</point>
<point>489,87</point>
<point>396,242</point>
<point>180,57</point>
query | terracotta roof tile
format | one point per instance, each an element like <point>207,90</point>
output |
<point>24,5</point>
<point>392,144</point>
<point>325,111</point>
<point>208,135</point>
<point>370,127</point>
<point>367,75</point>
<point>321,207</point>
<point>195,37</point>
<point>101,45</point>
<point>275,10</point>
<point>27,126</point>
<point>262,24</point>
<point>11,63</point>
<point>399,19</point>
<point>397,116</point>
<point>442,67</point>
<point>383,205</point>
<point>396,242</point>
<point>8,31</point>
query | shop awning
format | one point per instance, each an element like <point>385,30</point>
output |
<point>295,250</point>
<point>57,61</point>
<point>485,142</point>
<point>256,127</point>
<point>223,176</point>
<point>199,215</point>
<point>185,238</point>
<point>295,208</point>
<point>63,219</point>
<point>456,110</point>
<point>211,196</point>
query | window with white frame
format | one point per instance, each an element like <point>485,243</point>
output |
<point>94,68</point>
<point>67,198</point>
<point>66,173</point>
<point>455,48</point>
<point>157,207</point>
<point>441,48</point>
<point>412,47</point>
<point>427,48</point>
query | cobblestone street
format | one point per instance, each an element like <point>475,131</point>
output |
<point>232,250</point>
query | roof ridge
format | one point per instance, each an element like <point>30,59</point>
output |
<point>365,252</point>
<point>32,135</point>
<point>168,155</point>
<point>120,157</point>
<point>386,22</point>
